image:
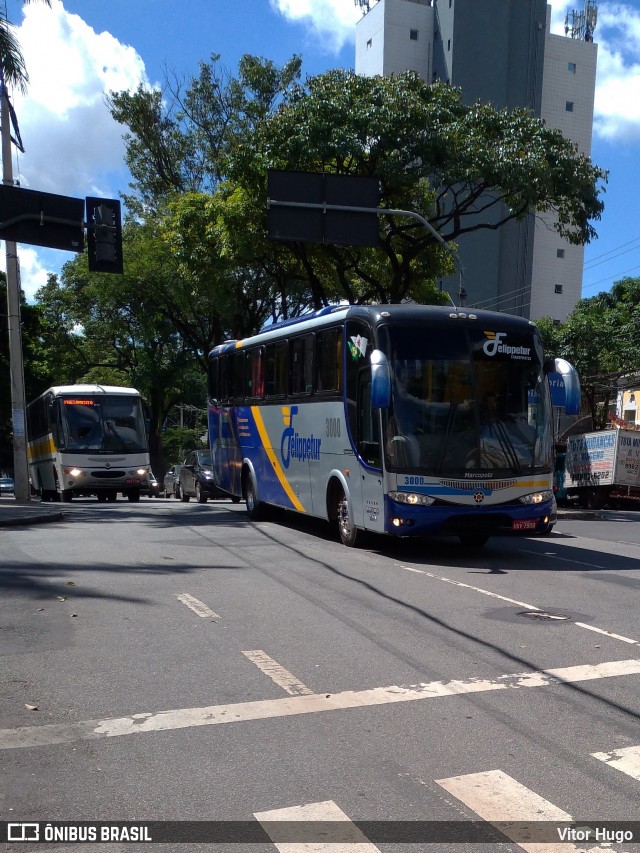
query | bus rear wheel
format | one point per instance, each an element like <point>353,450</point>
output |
<point>255,507</point>
<point>349,533</point>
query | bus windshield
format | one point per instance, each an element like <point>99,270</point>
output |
<point>106,424</point>
<point>466,402</point>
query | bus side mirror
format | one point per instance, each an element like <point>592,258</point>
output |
<point>380,380</point>
<point>571,382</point>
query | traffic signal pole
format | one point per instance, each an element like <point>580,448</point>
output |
<point>381,211</point>
<point>16,365</point>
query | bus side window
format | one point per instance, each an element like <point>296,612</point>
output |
<point>301,360</point>
<point>329,360</point>
<point>255,373</point>
<point>276,369</point>
<point>237,384</point>
<point>362,419</point>
<point>214,391</point>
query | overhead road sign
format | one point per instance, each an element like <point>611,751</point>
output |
<point>41,219</point>
<point>311,207</point>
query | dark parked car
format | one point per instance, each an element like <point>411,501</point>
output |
<point>196,478</point>
<point>7,486</point>
<point>172,482</point>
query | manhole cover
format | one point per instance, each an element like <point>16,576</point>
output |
<point>544,615</point>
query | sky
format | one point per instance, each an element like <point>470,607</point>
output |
<point>77,50</point>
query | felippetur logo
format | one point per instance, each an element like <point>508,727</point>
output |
<point>494,345</point>
<point>296,446</point>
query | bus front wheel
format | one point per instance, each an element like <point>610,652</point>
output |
<point>66,495</point>
<point>349,533</point>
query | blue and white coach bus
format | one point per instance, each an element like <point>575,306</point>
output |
<point>88,440</point>
<point>408,420</point>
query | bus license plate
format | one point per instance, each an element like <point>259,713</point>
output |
<point>527,524</point>
<point>132,481</point>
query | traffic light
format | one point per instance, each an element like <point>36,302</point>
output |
<point>104,235</point>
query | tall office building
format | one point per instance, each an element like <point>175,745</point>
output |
<point>503,52</point>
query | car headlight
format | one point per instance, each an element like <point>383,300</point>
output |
<point>537,497</point>
<point>411,498</point>
<point>207,475</point>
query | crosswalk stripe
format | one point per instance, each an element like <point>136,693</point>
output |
<point>626,760</point>
<point>236,712</point>
<point>316,814</point>
<point>499,799</point>
<point>277,673</point>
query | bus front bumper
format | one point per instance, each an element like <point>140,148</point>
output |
<point>451,520</point>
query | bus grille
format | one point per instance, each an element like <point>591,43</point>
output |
<point>107,475</point>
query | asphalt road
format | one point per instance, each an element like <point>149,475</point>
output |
<point>174,662</point>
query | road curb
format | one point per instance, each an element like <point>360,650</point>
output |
<point>29,518</point>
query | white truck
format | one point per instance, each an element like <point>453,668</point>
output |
<point>601,467</point>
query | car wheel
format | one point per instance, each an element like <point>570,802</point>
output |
<point>200,496</point>
<point>235,499</point>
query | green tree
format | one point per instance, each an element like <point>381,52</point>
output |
<point>601,337</point>
<point>119,331</point>
<point>456,165</point>
<point>39,365</point>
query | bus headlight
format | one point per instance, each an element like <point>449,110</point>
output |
<point>72,472</point>
<point>537,497</point>
<point>142,472</point>
<point>411,498</point>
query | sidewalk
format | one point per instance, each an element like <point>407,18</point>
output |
<point>34,512</point>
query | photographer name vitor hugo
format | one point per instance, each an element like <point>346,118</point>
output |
<point>594,833</point>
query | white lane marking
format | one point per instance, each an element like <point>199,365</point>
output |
<point>212,715</point>
<point>282,677</point>
<point>626,760</point>
<point>312,813</point>
<point>473,588</point>
<point>499,799</point>
<point>197,606</point>
<point>564,559</point>
<point>607,633</point>
<point>515,601</point>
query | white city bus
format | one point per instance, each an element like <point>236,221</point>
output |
<point>398,419</point>
<point>88,440</point>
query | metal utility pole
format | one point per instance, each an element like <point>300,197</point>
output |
<point>16,366</point>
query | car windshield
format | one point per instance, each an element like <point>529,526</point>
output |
<point>466,400</point>
<point>204,459</point>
